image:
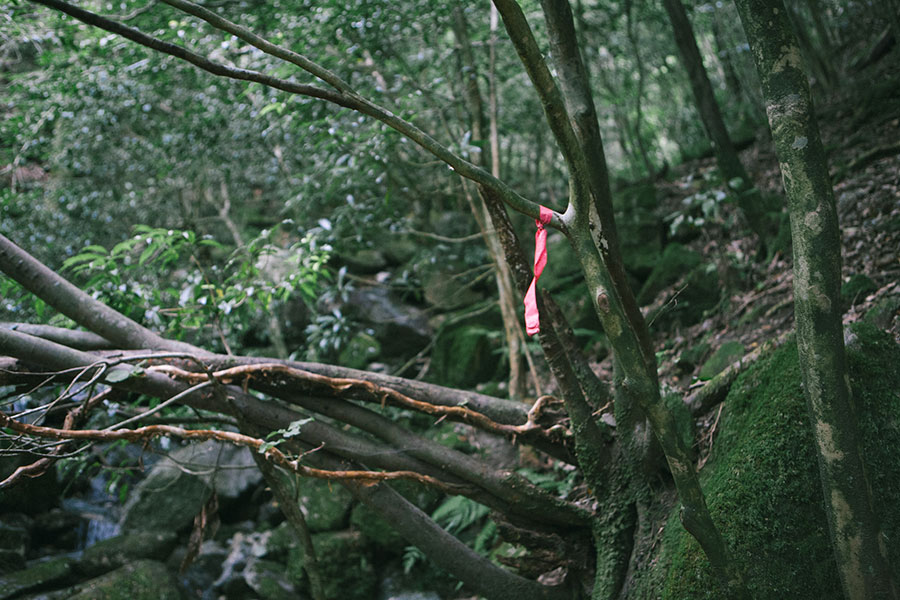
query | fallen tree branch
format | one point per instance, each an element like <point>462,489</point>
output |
<point>714,391</point>
<point>242,374</point>
<point>272,454</point>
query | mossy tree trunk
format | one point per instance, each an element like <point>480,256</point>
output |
<point>858,545</point>
<point>730,167</point>
<point>589,225</point>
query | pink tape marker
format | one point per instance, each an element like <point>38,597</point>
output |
<point>532,320</point>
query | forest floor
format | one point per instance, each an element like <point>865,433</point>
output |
<point>861,135</point>
<point>860,130</point>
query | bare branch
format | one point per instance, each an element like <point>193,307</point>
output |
<point>81,340</point>
<point>341,385</point>
<point>271,454</point>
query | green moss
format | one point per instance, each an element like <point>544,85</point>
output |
<point>359,351</point>
<point>874,360</point>
<point>726,354</point>
<point>326,505</point>
<point>377,530</point>
<point>762,480</point>
<point>345,564</point>
<point>464,356</point>
<point>116,551</point>
<point>141,580</point>
<point>856,289</point>
<point>701,286</point>
<point>41,575</point>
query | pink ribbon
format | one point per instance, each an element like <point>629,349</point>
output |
<point>532,320</point>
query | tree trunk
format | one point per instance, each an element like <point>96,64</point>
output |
<point>515,339</point>
<point>733,172</point>
<point>858,545</point>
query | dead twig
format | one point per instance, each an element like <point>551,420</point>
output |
<point>382,394</point>
<point>269,452</point>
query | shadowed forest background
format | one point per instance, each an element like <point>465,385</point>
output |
<point>262,269</point>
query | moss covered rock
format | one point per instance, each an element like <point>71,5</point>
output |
<point>856,289</point>
<point>43,575</point>
<point>721,359</point>
<point>701,285</point>
<point>762,481</point>
<point>116,551</point>
<point>464,356</point>
<point>345,563</point>
<point>141,580</point>
<point>377,530</point>
<point>325,505</point>
<point>359,351</point>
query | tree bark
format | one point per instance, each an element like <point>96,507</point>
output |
<point>590,228</point>
<point>515,339</point>
<point>858,544</point>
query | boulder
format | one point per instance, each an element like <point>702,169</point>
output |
<point>400,328</point>
<point>14,543</point>
<point>464,356</point>
<point>325,505</point>
<point>721,359</point>
<point>179,485</point>
<point>43,575</point>
<point>141,580</point>
<point>167,500</point>
<point>117,551</point>
<point>268,580</point>
<point>762,479</point>
<point>345,564</point>
<point>359,351</point>
<point>57,529</point>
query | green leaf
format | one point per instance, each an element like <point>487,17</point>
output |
<point>117,375</point>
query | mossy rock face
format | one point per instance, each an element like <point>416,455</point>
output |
<point>762,482</point>
<point>39,576</point>
<point>359,351</point>
<point>701,285</point>
<point>721,359</point>
<point>464,356</point>
<point>856,289</point>
<point>178,486</point>
<point>345,563</point>
<point>377,530</point>
<point>116,551</point>
<point>141,580</point>
<point>325,505</point>
<point>267,579</point>
<point>168,499</point>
